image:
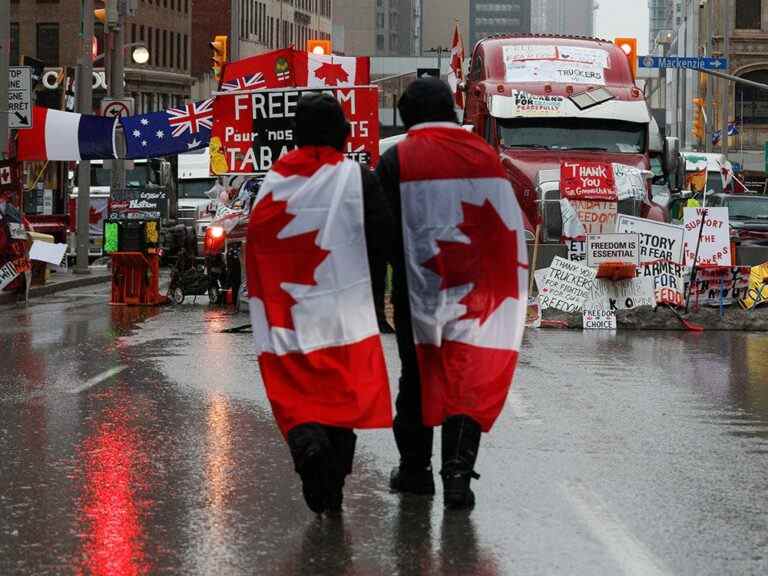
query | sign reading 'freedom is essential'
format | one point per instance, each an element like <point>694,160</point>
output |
<point>613,248</point>
<point>252,130</point>
<point>658,241</point>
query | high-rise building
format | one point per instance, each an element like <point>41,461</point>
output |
<point>375,27</point>
<point>661,19</point>
<point>571,17</point>
<point>498,17</point>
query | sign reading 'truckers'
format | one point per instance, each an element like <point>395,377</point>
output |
<point>252,129</point>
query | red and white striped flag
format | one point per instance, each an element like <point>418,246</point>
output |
<point>310,295</point>
<point>457,64</point>
<point>467,267</point>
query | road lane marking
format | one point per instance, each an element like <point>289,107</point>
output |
<point>98,379</point>
<point>629,553</point>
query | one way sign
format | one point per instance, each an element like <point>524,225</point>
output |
<point>19,97</point>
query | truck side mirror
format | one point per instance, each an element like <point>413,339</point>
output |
<point>671,155</point>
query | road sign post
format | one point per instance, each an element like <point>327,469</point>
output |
<point>19,97</point>
<point>5,51</point>
<point>117,107</point>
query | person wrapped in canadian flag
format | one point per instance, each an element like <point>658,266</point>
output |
<point>460,290</point>
<point>312,237</point>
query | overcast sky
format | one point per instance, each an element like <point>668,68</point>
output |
<point>624,18</point>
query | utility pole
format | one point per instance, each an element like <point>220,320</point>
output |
<point>85,105</point>
<point>724,18</point>
<point>684,120</point>
<point>710,80</point>
<point>5,53</point>
<point>116,90</point>
<point>233,46</point>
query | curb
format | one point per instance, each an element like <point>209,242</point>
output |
<point>35,291</point>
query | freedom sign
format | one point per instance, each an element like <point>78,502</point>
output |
<point>587,181</point>
<point>567,285</point>
<point>252,129</point>
<point>612,248</point>
<point>658,241</point>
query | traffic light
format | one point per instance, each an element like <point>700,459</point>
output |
<point>219,47</point>
<point>319,47</point>
<point>101,15</point>
<point>698,129</point>
<point>629,47</point>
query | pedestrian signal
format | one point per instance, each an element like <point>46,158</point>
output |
<point>629,47</point>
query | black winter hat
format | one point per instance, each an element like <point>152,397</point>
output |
<point>320,121</point>
<point>427,100</point>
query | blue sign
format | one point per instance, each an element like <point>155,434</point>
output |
<point>688,62</point>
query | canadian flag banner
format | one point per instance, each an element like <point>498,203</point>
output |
<point>310,295</point>
<point>467,267</point>
<point>293,68</point>
<point>457,65</point>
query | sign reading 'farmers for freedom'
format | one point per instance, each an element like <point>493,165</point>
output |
<point>715,247</point>
<point>618,248</point>
<point>668,281</point>
<point>252,130</point>
<point>567,286</point>
<point>658,241</point>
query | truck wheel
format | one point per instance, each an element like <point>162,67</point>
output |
<point>177,295</point>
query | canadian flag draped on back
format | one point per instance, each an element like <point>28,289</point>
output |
<point>467,270</point>
<point>310,295</point>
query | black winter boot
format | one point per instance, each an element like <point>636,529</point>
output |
<point>313,460</point>
<point>414,474</point>
<point>343,441</point>
<point>461,441</point>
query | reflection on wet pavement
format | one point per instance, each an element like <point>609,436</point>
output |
<point>618,453</point>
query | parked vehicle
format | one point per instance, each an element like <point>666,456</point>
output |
<point>748,214</point>
<point>197,193</point>
<point>719,171</point>
<point>541,100</point>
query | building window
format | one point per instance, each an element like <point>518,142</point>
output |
<point>751,105</point>
<point>186,60</point>
<point>48,44</point>
<point>165,48</point>
<point>748,14</point>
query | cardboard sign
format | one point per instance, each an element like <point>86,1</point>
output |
<point>540,278</point>
<point>47,252</point>
<point>621,295</point>
<point>757,293</point>
<point>17,231</point>
<point>630,182</point>
<point>10,270</point>
<point>251,130</point>
<point>599,320</point>
<point>567,286</point>
<point>587,181</point>
<point>536,106</point>
<point>722,284</point>
<point>668,281</point>
<point>658,241</point>
<point>715,246</point>
<point>572,226</point>
<point>614,248</point>
<point>596,217</point>
<point>577,250</point>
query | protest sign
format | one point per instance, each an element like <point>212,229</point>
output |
<point>715,246</point>
<point>577,250</point>
<point>587,181</point>
<point>629,182</point>
<point>668,281</point>
<point>47,252</point>
<point>658,240</point>
<point>757,293</point>
<point>567,285</point>
<point>572,226</point>
<point>251,130</point>
<point>599,320</point>
<point>716,285</point>
<point>621,295</point>
<point>596,217</point>
<point>11,269</point>
<point>540,277</point>
<point>613,248</point>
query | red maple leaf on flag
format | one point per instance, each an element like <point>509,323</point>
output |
<point>277,261</point>
<point>489,262</point>
<point>94,216</point>
<point>332,74</point>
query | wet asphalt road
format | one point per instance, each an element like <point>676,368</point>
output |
<point>140,442</point>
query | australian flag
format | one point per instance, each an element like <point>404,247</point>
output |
<point>173,131</point>
<point>248,82</point>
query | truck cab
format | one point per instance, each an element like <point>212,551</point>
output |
<point>541,100</point>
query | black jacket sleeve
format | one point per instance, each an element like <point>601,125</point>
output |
<point>378,235</point>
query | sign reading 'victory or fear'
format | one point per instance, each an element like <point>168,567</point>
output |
<point>253,129</point>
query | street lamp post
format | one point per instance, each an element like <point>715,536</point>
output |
<point>5,51</point>
<point>85,106</point>
<point>116,65</point>
<point>725,84</point>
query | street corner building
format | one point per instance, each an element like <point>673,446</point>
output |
<point>467,267</point>
<point>311,302</point>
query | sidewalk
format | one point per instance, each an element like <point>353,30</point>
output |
<point>62,281</point>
